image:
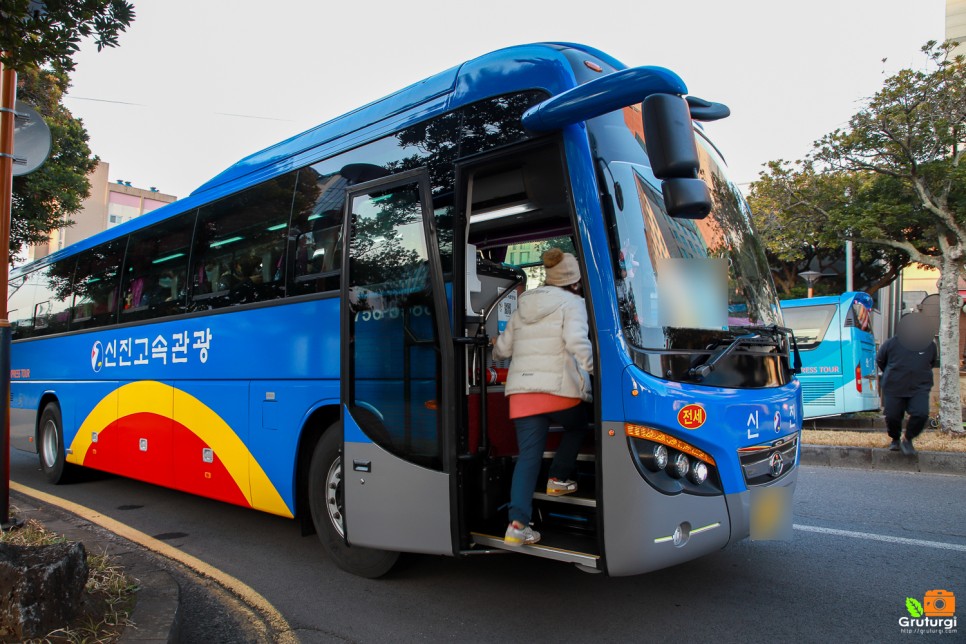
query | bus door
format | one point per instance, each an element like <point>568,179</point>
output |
<point>396,357</point>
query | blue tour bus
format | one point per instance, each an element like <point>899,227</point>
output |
<point>834,335</point>
<point>306,333</point>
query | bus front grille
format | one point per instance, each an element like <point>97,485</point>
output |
<point>768,462</point>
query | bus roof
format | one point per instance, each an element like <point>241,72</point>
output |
<point>522,67</point>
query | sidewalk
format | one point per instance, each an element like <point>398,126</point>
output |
<point>875,458</point>
<point>174,604</point>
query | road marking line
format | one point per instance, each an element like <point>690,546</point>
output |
<point>882,537</point>
<point>242,590</point>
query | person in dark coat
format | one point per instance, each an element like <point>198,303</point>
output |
<point>907,360</point>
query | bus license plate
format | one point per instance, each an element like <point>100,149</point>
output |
<point>771,514</point>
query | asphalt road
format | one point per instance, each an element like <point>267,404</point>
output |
<point>844,576</point>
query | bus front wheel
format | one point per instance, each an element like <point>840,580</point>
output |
<point>326,502</point>
<point>50,444</point>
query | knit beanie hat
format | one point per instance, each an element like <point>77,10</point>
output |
<point>562,268</point>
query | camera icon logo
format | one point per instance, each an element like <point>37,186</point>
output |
<point>939,603</point>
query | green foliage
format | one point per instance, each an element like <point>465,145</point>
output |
<point>914,607</point>
<point>34,38</point>
<point>900,162</point>
<point>45,199</point>
<point>804,216</point>
<point>893,181</point>
<point>912,132</point>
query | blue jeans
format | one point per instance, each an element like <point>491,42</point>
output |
<point>532,440</point>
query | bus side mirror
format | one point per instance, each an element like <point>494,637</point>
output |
<point>686,198</point>
<point>669,139</point>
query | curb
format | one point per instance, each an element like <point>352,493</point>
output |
<point>874,458</point>
<point>837,423</point>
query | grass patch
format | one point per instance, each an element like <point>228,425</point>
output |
<point>108,599</point>
<point>927,441</point>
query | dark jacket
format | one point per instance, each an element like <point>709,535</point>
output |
<point>906,372</point>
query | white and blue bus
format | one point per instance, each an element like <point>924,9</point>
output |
<point>305,334</point>
<point>834,335</point>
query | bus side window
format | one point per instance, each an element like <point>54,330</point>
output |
<point>96,287</point>
<point>156,270</point>
<point>859,316</point>
<point>315,239</point>
<point>50,304</point>
<point>239,247</point>
<point>20,301</point>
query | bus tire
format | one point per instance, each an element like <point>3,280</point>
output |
<point>326,504</point>
<point>50,445</point>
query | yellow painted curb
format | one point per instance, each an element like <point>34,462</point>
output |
<point>245,592</point>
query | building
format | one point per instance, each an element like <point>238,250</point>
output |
<point>956,23</point>
<point>109,204</point>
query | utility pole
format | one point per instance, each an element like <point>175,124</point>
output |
<point>8,101</point>
<point>849,265</point>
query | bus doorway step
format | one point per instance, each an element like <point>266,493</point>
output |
<point>571,499</point>
<point>545,549</point>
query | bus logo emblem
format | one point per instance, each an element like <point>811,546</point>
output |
<point>691,416</point>
<point>97,356</point>
<point>778,421</point>
<point>777,464</point>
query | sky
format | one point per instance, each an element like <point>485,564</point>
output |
<point>196,85</point>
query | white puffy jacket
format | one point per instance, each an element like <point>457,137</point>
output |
<point>547,337</point>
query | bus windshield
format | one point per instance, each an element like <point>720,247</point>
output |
<point>810,323</point>
<point>679,281</point>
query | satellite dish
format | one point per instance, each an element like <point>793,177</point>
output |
<point>31,140</point>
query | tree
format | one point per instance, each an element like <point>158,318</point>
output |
<point>45,199</point>
<point>804,216</point>
<point>35,34</point>
<point>912,133</point>
<point>38,40</point>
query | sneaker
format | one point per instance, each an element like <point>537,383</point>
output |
<point>556,487</point>
<point>907,448</point>
<point>894,447</point>
<point>519,536</point>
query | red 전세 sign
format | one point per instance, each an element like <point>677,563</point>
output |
<point>691,416</point>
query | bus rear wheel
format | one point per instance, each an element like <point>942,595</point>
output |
<point>326,502</point>
<point>50,445</point>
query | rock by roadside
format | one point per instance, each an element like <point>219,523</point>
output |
<point>42,587</point>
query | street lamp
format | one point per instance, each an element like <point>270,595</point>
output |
<point>810,278</point>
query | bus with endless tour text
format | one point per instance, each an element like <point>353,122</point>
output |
<point>308,333</point>
<point>834,336</point>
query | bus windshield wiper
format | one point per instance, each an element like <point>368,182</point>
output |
<point>702,371</point>
<point>776,332</point>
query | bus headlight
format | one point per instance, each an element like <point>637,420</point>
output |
<point>671,465</point>
<point>698,473</point>
<point>679,466</point>
<point>656,459</point>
